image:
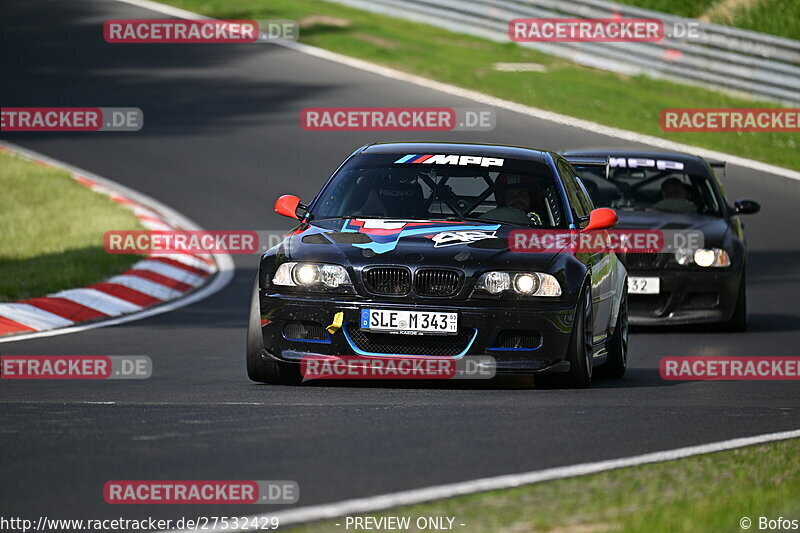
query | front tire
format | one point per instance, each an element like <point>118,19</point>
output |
<point>259,369</point>
<point>738,321</point>
<point>617,362</point>
<point>579,353</point>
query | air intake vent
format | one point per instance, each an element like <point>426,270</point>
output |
<point>700,300</point>
<point>517,340</point>
<point>435,282</point>
<point>305,331</point>
<point>645,261</point>
<point>391,344</point>
<point>388,281</point>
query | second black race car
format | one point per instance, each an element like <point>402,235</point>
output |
<point>674,191</point>
<point>405,252</point>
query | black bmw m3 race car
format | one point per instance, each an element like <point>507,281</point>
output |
<point>674,191</point>
<point>405,253</point>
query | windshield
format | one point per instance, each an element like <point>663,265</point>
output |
<point>425,187</point>
<point>650,189</point>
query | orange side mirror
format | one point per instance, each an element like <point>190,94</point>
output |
<point>287,205</point>
<point>601,218</point>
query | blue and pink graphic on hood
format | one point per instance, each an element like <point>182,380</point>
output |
<point>385,234</point>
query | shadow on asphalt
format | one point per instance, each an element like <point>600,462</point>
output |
<point>157,79</point>
<point>634,379</point>
<point>756,322</point>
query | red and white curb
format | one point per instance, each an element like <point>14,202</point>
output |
<point>157,284</point>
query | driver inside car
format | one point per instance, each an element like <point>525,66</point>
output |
<point>674,198</point>
<point>514,201</point>
<point>397,195</point>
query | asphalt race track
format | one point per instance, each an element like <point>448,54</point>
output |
<point>221,141</point>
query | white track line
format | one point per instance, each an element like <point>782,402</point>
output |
<point>412,497</point>
<point>224,261</point>
<point>485,99</point>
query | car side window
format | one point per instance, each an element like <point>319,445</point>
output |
<point>575,194</point>
<point>709,198</point>
<point>586,198</point>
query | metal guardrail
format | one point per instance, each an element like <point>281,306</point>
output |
<point>720,57</point>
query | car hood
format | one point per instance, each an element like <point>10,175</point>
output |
<point>360,242</point>
<point>714,228</point>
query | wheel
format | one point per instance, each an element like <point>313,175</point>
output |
<point>738,321</point>
<point>579,352</point>
<point>617,362</point>
<point>258,368</point>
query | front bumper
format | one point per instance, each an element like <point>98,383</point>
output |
<point>685,297</point>
<point>480,324</point>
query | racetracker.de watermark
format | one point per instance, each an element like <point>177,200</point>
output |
<point>158,242</point>
<point>397,367</point>
<point>71,119</point>
<point>605,241</point>
<point>75,367</point>
<point>397,119</point>
<point>200,492</point>
<point>643,30</point>
<point>181,242</point>
<point>259,522</point>
<point>572,30</point>
<point>686,368</point>
<point>151,31</point>
<point>701,33</point>
<point>731,120</point>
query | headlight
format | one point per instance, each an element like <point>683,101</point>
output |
<point>495,282</point>
<point>306,274</point>
<point>526,283</point>
<point>312,275</point>
<point>684,256</point>
<point>523,283</point>
<point>704,257</point>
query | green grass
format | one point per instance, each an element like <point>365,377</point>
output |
<point>708,493</point>
<point>776,17</point>
<point>683,8</point>
<point>51,231</point>
<point>632,103</point>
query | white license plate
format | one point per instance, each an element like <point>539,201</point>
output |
<point>411,321</point>
<point>638,285</point>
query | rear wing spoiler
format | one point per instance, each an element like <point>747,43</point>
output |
<point>582,162</point>
<point>718,164</point>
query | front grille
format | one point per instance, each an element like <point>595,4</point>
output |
<point>388,281</point>
<point>700,300</point>
<point>305,331</point>
<point>404,344</point>
<point>647,261</point>
<point>435,282</point>
<point>510,339</point>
